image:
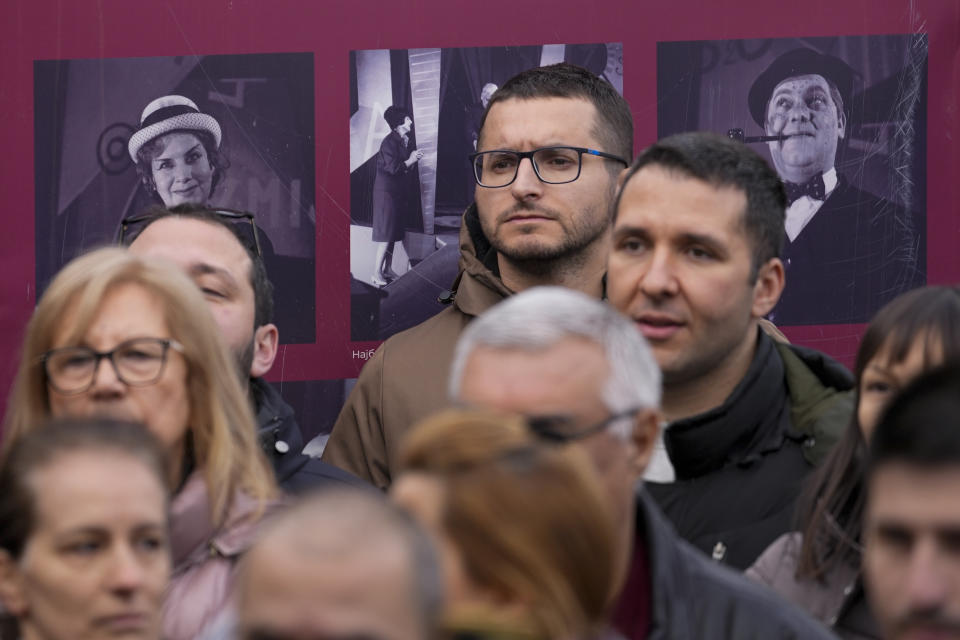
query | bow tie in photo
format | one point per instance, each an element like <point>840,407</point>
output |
<point>813,187</point>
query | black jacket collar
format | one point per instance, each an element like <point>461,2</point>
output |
<point>277,425</point>
<point>735,432</point>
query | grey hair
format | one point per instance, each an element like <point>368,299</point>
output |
<point>540,317</point>
<point>355,522</point>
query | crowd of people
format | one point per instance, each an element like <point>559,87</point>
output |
<point>602,437</point>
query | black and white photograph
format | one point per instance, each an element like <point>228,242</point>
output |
<point>114,137</point>
<point>415,115</point>
<point>843,121</point>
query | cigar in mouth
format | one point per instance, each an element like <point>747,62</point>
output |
<point>737,134</point>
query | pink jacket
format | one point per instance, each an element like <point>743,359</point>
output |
<point>204,559</point>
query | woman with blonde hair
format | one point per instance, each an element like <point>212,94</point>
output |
<point>126,337</point>
<point>524,530</point>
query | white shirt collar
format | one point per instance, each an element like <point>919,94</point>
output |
<point>801,212</point>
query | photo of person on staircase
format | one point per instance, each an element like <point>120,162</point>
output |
<point>414,116</point>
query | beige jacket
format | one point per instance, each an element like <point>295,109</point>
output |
<point>406,379</point>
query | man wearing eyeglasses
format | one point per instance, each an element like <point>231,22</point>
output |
<point>552,143</point>
<point>220,251</point>
<point>584,376</point>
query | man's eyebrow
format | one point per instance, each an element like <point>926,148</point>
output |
<point>684,238</point>
<point>783,89</point>
<point>703,238</point>
<point>628,230</point>
<point>206,269</point>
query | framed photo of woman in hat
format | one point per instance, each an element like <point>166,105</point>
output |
<point>114,137</point>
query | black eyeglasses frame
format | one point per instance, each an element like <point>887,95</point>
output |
<point>529,154</point>
<point>165,343</point>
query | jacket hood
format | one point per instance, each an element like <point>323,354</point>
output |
<point>478,285</point>
<point>822,397</point>
<point>825,369</point>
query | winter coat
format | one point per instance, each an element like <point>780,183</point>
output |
<point>204,557</point>
<point>740,466</point>
<point>392,192</point>
<point>695,598</point>
<point>282,443</point>
<point>837,600</point>
<point>406,379</point>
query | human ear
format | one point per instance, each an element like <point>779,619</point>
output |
<point>266,340</point>
<point>771,279</point>
<point>646,430</point>
<point>841,123</point>
<point>11,585</point>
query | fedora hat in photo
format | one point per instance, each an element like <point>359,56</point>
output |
<point>171,113</point>
<point>799,62</point>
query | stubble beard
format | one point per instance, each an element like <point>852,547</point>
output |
<point>244,361</point>
<point>545,258</point>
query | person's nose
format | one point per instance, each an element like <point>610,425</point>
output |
<point>799,111</point>
<point>106,382</point>
<point>126,573</point>
<point>659,278</point>
<point>926,583</point>
<point>527,185</point>
<point>182,172</point>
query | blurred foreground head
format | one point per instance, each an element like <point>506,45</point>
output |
<point>912,524</point>
<point>524,528</point>
<point>131,338</point>
<point>340,564</point>
<point>580,372</point>
<point>84,550</point>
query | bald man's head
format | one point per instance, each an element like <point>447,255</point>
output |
<point>341,564</point>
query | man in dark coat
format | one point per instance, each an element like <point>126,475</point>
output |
<point>229,271</point>
<point>697,234</point>
<point>848,252</point>
<point>586,378</point>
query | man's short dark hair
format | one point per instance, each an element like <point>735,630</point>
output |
<point>921,426</point>
<point>614,123</point>
<point>262,287</point>
<point>722,162</point>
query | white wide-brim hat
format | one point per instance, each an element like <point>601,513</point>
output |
<point>171,113</point>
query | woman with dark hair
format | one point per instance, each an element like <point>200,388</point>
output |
<point>84,533</point>
<point>818,567</point>
<point>177,151</point>
<point>391,191</point>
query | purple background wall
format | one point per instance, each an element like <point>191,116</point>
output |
<point>51,29</point>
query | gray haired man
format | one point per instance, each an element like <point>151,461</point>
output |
<point>584,375</point>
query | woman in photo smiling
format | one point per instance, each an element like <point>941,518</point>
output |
<point>177,151</point>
